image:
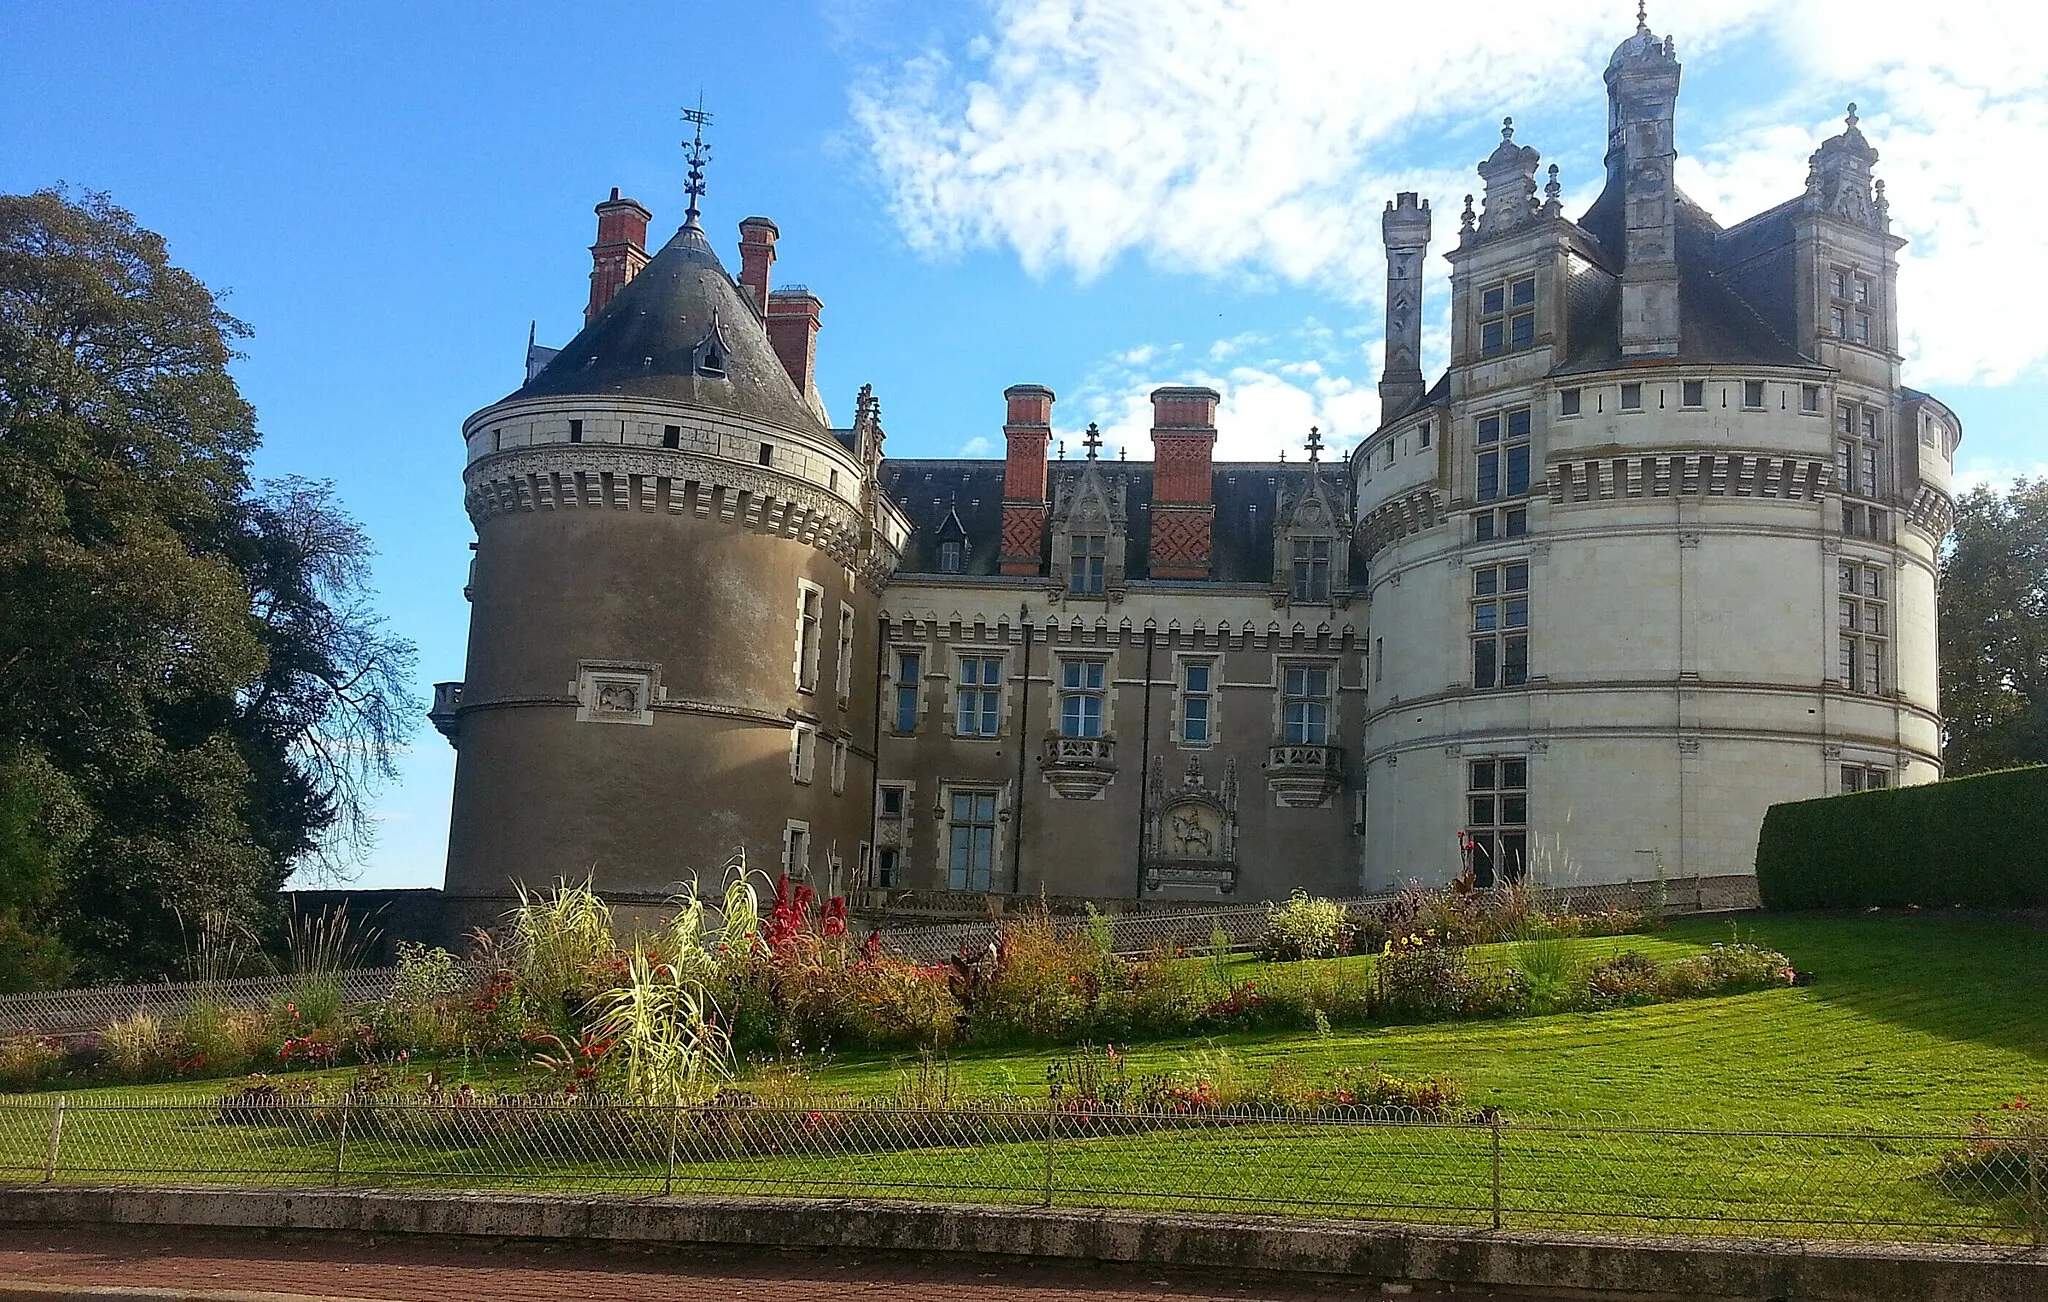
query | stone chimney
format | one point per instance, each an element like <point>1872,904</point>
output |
<point>793,329</point>
<point>1405,228</point>
<point>757,254</point>
<point>1642,98</point>
<point>1026,432</point>
<point>620,251</point>
<point>1183,511</point>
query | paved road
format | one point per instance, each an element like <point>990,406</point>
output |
<point>402,1271</point>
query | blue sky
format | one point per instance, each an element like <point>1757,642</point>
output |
<point>1098,196</point>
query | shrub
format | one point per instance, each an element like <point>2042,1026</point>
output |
<point>30,1061</point>
<point>1626,978</point>
<point>1975,842</point>
<point>1725,969</point>
<point>1421,981</point>
<point>1544,958</point>
<point>1305,927</point>
<point>136,1045</point>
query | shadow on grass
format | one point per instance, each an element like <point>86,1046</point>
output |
<point>1968,980</point>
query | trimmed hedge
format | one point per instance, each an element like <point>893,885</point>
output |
<point>1980,842</point>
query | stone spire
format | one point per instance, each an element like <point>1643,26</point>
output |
<point>1405,227</point>
<point>1642,97</point>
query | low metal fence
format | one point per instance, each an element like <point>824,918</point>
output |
<point>1924,1182</point>
<point>53,1012</point>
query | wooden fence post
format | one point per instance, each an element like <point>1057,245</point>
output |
<point>56,1138</point>
<point>1052,1130</point>
<point>341,1139</point>
<point>1496,1171</point>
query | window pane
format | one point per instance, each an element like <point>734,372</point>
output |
<point>1568,402</point>
<point>1198,678</point>
<point>1095,672</point>
<point>1852,778</point>
<point>1481,811</point>
<point>1631,397</point>
<point>1876,779</point>
<point>1514,774</point>
<point>1070,673</point>
<point>1518,423</point>
<point>906,669</point>
<point>1195,719</point>
<point>1847,615</point>
<point>1873,584</point>
<point>1482,775</point>
<point>1489,476</point>
<point>1491,337</point>
<point>1525,291</point>
<point>1518,470</point>
<point>1752,393</point>
<point>1482,527</point>
<point>1485,617</point>
<point>1518,612</point>
<point>1514,810</point>
<point>1489,429</point>
<point>1518,522</point>
<point>1484,672</point>
<point>906,709</point>
<point>1493,300</point>
<point>1522,329</point>
<point>985,807</point>
<point>1514,667</point>
<point>1695,393</point>
<point>1485,582</point>
<point>1297,682</point>
<point>1518,576</point>
<point>1317,719</point>
<point>1848,578</point>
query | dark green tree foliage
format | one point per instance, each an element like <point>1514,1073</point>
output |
<point>1994,630</point>
<point>1976,842</point>
<point>192,692</point>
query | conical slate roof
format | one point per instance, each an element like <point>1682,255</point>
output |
<point>649,340</point>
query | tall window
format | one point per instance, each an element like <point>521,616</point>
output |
<point>908,665</point>
<point>1497,819</point>
<point>810,606</point>
<point>1086,554</point>
<point>844,665</point>
<point>839,766</point>
<point>796,849</point>
<point>950,556</point>
<point>1500,625</point>
<point>1312,569</point>
<point>888,866</point>
<point>1305,710</point>
<point>1501,522</point>
<point>972,840</point>
<point>1082,687</point>
<point>1197,679</point>
<point>1507,315</point>
<point>803,753</point>
<point>1861,627</point>
<point>1503,454</point>
<point>980,700</point>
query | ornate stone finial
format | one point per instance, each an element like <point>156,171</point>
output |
<point>1553,201</point>
<point>1507,128</point>
<point>700,154</point>
<point>1643,16</point>
<point>1851,119</point>
<point>1092,441</point>
<point>1467,220</point>
<point>1883,205</point>
<point>1063,449</point>
<point>1315,445</point>
<point>1283,456</point>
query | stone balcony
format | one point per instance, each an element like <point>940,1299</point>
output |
<point>446,712</point>
<point>1079,768</point>
<point>1303,776</point>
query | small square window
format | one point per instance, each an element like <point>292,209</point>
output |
<point>892,802</point>
<point>1485,582</point>
<point>767,454</point>
<point>1422,434</point>
<point>1694,393</point>
<point>672,436</point>
<point>1809,397</point>
<point>1568,402</point>
<point>1631,397</point>
<point>1753,393</point>
<point>575,431</point>
<point>1482,527</point>
<point>1518,522</point>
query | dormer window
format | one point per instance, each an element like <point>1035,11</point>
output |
<point>1507,316</point>
<point>712,364</point>
<point>1312,569</point>
<point>949,556</point>
<point>1087,555</point>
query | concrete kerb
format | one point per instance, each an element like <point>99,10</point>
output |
<point>1395,1254</point>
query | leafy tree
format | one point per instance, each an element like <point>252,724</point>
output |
<point>1994,630</point>
<point>193,692</point>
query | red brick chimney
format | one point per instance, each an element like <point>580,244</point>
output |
<point>620,251</point>
<point>757,254</point>
<point>1025,434</point>
<point>793,330</point>
<point>1183,513</point>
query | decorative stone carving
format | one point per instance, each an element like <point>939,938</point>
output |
<point>1078,768</point>
<point>609,691</point>
<point>1191,831</point>
<point>1304,777</point>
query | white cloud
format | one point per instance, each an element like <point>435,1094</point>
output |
<point>1998,476</point>
<point>1233,138</point>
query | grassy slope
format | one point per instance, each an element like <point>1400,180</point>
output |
<point>1909,1016</point>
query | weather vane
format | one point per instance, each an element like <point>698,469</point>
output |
<point>1315,444</point>
<point>700,154</point>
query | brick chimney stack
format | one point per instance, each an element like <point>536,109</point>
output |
<point>793,319</point>
<point>1183,511</point>
<point>620,251</point>
<point>757,254</point>
<point>1025,435</point>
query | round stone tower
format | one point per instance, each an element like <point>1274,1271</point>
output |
<point>672,650</point>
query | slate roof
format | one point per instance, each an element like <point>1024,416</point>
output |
<point>1246,494</point>
<point>645,343</point>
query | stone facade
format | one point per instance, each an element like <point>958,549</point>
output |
<point>1655,552</point>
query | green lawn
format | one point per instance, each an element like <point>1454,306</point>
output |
<point>1911,1024</point>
